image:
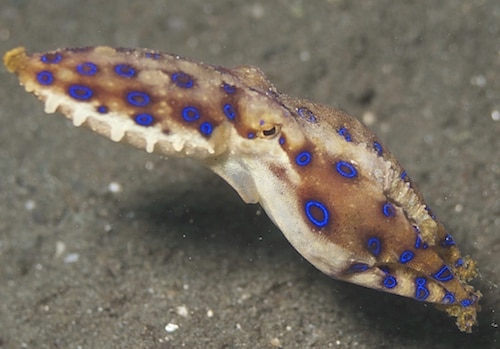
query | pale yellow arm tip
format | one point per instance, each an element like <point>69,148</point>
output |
<point>15,59</point>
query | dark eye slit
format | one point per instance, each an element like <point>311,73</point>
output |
<point>269,132</point>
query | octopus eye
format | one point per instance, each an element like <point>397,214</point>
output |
<point>270,132</point>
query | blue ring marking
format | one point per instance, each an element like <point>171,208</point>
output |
<point>303,158</point>
<point>182,80</point>
<point>466,302</point>
<point>388,210</point>
<point>229,88</point>
<point>429,211</point>
<point>404,176</point>
<point>282,140</point>
<point>320,223</point>
<point>406,256</point>
<point>51,58</point>
<point>447,241</point>
<point>138,98</point>
<point>152,55</point>
<point>443,274</point>
<point>421,292</point>
<point>374,246</point>
<point>87,68</point>
<point>448,298</point>
<point>357,268</point>
<point>421,281</point>
<point>378,148</point>
<point>346,169</point>
<point>384,268</point>
<point>419,243</point>
<point>80,92</point>
<point>125,70</point>
<point>144,119</point>
<point>190,114</point>
<point>251,135</point>
<point>229,111</point>
<point>344,133</point>
<point>390,281</point>
<point>459,262</point>
<point>206,128</point>
<point>102,109</point>
<point>307,115</point>
<point>45,78</point>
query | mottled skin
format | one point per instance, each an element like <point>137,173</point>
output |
<point>338,195</point>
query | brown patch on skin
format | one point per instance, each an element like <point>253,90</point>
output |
<point>279,172</point>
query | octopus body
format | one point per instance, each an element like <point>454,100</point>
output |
<point>334,190</point>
